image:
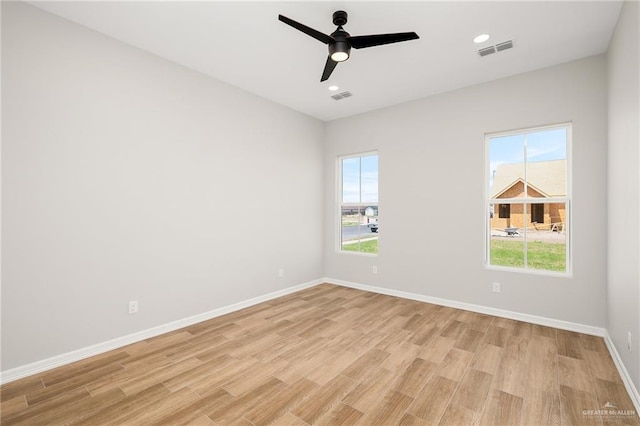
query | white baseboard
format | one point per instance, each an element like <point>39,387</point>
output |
<point>73,356</point>
<point>622,370</point>
<point>533,319</point>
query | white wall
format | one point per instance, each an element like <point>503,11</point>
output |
<point>431,155</point>
<point>125,176</point>
<point>623,190</point>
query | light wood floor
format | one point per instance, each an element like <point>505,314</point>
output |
<point>334,355</point>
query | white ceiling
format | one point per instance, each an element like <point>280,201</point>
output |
<point>244,44</point>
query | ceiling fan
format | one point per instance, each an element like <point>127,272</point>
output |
<point>340,42</point>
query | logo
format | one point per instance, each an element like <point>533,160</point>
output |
<point>609,409</point>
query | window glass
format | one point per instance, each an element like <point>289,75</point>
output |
<point>528,199</point>
<point>359,204</point>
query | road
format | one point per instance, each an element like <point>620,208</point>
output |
<point>350,232</point>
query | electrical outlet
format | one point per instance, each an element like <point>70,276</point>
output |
<point>496,287</point>
<point>374,269</point>
<point>629,340</point>
<point>281,272</point>
<point>133,306</point>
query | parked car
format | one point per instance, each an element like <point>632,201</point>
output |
<point>373,227</point>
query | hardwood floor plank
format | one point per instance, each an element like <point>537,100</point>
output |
<point>204,384</point>
<point>543,331</point>
<point>453,329</point>
<point>72,382</point>
<point>569,344</point>
<point>84,366</point>
<point>290,420</point>
<point>541,407</point>
<point>409,420</point>
<point>76,411</point>
<point>164,407</point>
<point>503,409</point>
<point>126,408</point>
<point>205,369</point>
<point>486,358</point>
<point>22,387</point>
<point>601,366</point>
<point>414,377</point>
<point>391,409</point>
<point>199,408</point>
<point>235,408</point>
<point>576,405</point>
<point>276,405</point>
<point>469,340</point>
<point>340,415</point>
<point>615,403</point>
<point>454,364</point>
<point>433,400</point>
<point>575,373</point>
<point>51,405</point>
<point>473,390</point>
<point>141,382</point>
<point>10,406</point>
<point>455,415</point>
<point>365,395</point>
<point>511,375</point>
<point>328,365</point>
<point>323,399</point>
<point>497,336</point>
<point>365,364</point>
<point>437,349</point>
<point>543,367</point>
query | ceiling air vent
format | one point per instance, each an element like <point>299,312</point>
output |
<point>487,51</point>
<point>497,48</point>
<point>342,95</point>
<point>504,45</point>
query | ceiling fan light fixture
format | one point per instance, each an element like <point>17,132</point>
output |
<point>339,56</point>
<point>339,51</point>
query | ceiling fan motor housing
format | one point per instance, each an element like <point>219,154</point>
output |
<point>339,17</point>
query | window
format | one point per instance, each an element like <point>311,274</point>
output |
<point>358,203</point>
<point>528,186</point>
<point>505,211</point>
<point>537,213</point>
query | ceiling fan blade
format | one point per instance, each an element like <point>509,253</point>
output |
<point>360,42</point>
<point>328,68</point>
<point>326,39</point>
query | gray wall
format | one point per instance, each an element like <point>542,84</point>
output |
<point>623,190</point>
<point>431,155</point>
<point>125,176</point>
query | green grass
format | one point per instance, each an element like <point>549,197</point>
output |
<point>543,256</point>
<point>370,246</point>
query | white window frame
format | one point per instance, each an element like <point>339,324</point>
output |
<point>488,201</point>
<point>340,204</point>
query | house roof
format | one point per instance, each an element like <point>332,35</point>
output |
<point>546,177</point>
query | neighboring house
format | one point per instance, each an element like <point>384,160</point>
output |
<point>545,179</point>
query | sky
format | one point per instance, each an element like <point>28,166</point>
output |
<point>543,145</point>
<point>360,179</point>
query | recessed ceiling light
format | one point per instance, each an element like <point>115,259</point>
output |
<point>333,88</point>
<point>481,38</point>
